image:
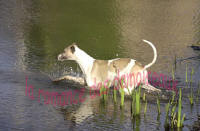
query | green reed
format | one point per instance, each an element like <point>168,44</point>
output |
<point>173,110</point>
<point>191,97</point>
<point>182,120</point>
<point>186,73</point>
<point>167,114</point>
<point>173,73</point>
<point>137,101</point>
<point>173,97</point>
<point>122,92</point>
<point>122,96</point>
<point>133,103</point>
<point>145,108</point>
<point>115,95</point>
<point>144,97</point>
<point>179,124</point>
<point>173,120</point>
<point>103,93</point>
<point>158,105</point>
<point>191,74</point>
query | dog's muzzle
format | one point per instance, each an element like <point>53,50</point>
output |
<point>61,57</point>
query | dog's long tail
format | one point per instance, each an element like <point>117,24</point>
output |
<point>154,52</point>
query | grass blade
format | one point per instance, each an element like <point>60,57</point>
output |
<point>167,115</point>
<point>145,108</point>
<point>158,105</point>
<point>179,108</point>
<point>186,73</point>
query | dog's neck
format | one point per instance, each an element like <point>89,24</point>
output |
<point>84,60</point>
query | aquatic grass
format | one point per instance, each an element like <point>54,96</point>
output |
<point>173,121</point>
<point>144,97</point>
<point>122,96</point>
<point>179,124</point>
<point>182,120</point>
<point>186,74</point>
<point>173,97</point>
<point>145,108</point>
<point>191,97</point>
<point>137,102</point>
<point>115,95</point>
<point>191,74</point>
<point>133,103</point>
<point>122,93</point>
<point>173,110</point>
<point>167,115</point>
<point>158,106</point>
<point>173,73</point>
<point>137,123</point>
<point>103,93</point>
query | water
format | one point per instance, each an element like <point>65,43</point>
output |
<point>33,33</point>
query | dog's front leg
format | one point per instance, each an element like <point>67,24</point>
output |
<point>76,79</point>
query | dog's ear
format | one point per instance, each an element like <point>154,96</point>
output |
<point>74,44</point>
<point>72,49</point>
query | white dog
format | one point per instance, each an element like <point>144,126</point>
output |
<point>101,71</point>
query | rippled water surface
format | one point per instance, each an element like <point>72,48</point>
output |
<point>34,32</point>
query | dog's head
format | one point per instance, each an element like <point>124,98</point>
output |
<point>68,53</point>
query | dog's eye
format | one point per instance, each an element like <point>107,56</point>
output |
<point>72,49</point>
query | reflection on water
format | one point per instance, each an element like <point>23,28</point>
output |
<point>33,33</point>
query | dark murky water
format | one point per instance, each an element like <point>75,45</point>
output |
<point>34,32</point>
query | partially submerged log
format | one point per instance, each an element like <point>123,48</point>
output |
<point>81,81</point>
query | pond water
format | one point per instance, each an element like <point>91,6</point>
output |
<point>34,32</point>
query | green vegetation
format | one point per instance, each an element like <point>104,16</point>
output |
<point>103,93</point>
<point>115,95</point>
<point>136,102</point>
<point>133,104</point>
<point>173,110</point>
<point>122,92</point>
<point>173,73</point>
<point>122,96</point>
<point>173,97</point>
<point>191,74</point>
<point>167,115</point>
<point>158,105</point>
<point>180,122</point>
<point>191,97</point>
<point>145,108</point>
<point>186,73</point>
<point>144,97</point>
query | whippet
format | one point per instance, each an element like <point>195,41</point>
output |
<point>101,71</point>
